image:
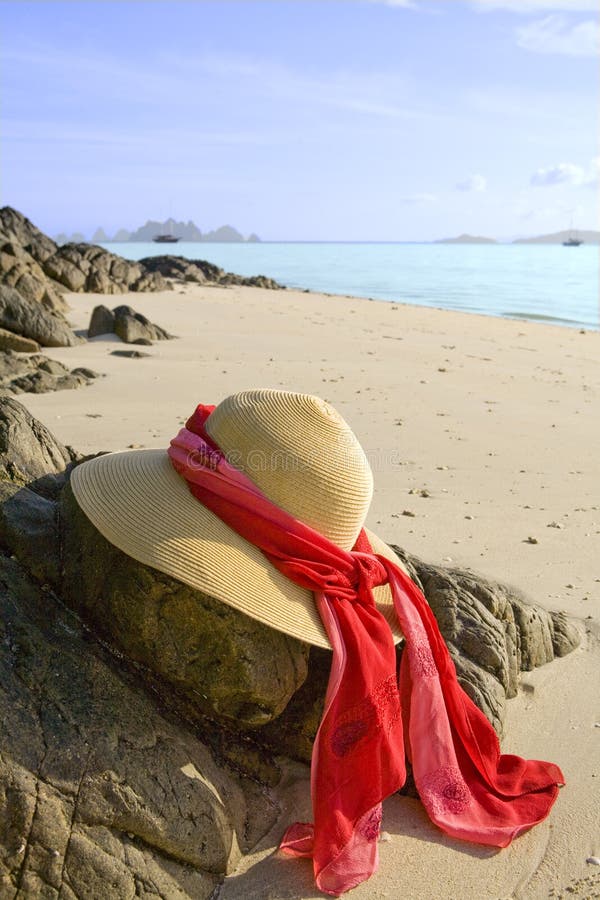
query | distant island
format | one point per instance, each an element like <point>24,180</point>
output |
<point>466,239</point>
<point>185,231</point>
<point>587,237</point>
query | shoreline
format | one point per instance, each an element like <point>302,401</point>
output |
<point>523,289</point>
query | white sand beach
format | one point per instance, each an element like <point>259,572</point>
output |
<point>497,421</point>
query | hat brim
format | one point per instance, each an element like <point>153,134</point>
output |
<point>139,503</point>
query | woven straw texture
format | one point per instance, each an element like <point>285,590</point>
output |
<point>299,452</point>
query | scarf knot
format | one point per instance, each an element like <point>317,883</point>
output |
<point>369,573</point>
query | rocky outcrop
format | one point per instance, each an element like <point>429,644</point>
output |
<point>29,452</point>
<point>101,795</point>
<point>41,270</point>
<point>19,270</point>
<point>130,702</point>
<point>17,226</point>
<point>132,327</point>
<point>38,374</point>
<point>11,341</point>
<point>199,271</point>
<point>87,267</point>
<point>31,320</point>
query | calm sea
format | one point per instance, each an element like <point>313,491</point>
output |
<point>547,283</point>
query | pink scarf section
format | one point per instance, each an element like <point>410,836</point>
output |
<point>372,718</point>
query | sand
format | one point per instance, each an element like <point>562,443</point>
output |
<point>497,422</point>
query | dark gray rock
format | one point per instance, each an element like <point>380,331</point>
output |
<point>130,354</point>
<point>493,633</point>
<point>37,374</point>
<point>199,271</point>
<point>231,667</point>
<point>29,452</point>
<point>132,327</point>
<point>31,320</point>
<point>87,267</point>
<point>11,341</point>
<point>101,322</point>
<point>176,267</point>
<point>101,795</point>
<point>29,530</point>
<point>16,226</point>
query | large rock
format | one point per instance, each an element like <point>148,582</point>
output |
<point>29,452</point>
<point>17,226</point>
<point>11,341</point>
<point>101,322</point>
<point>19,269</point>
<point>200,270</point>
<point>101,796</point>
<point>231,667</point>
<point>31,320</point>
<point>87,267</point>
<point>176,267</point>
<point>37,374</point>
<point>132,327</point>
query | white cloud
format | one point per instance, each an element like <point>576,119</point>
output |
<point>567,173</point>
<point>529,6</point>
<point>555,34</point>
<point>474,183</point>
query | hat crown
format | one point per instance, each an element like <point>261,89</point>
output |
<point>301,454</point>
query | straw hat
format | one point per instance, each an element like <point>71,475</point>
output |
<point>300,453</point>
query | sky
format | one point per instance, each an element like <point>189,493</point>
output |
<point>375,120</point>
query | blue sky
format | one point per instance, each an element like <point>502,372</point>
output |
<point>306,120</point>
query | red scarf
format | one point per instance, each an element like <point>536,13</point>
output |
<point>370,720</point>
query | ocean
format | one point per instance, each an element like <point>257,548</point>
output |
<point>539,282</point>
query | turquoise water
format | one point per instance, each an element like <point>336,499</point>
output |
<point>548,283</point>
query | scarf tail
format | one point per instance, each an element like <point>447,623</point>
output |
<point>359,743</point>
<point>467,786</point>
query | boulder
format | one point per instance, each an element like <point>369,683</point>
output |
<point>177,267</point>
<point>29,452</point>
<point>20,270</point>
<point>11,341</point>
<point>87,267</point>
<point>37,374</point>
<point>133,328</point>
<point>29,319</point>
<point>200,270</point>
<point>101,322</point>
<point>29,530</point>
<point>150,281</point>
<point>101,795</point>
<point>130,354</point>
<point>233,668</point>
<point>18,227</point>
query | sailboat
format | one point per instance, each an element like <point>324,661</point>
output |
<point>168,238</point>
<point>572,240</point>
